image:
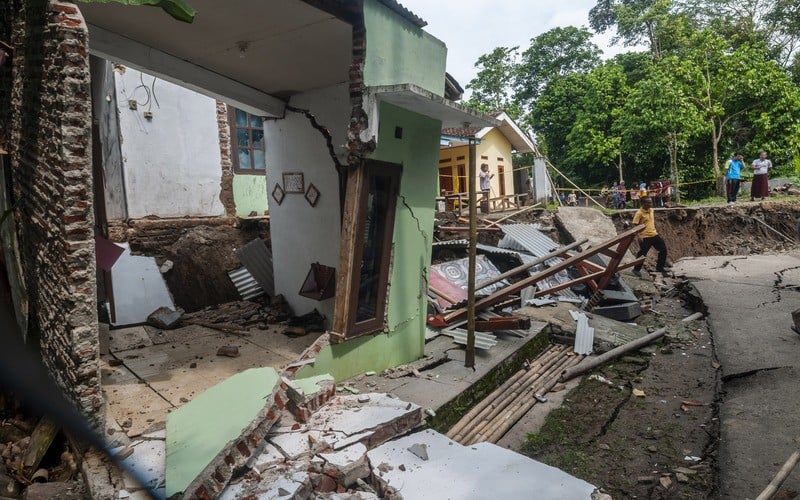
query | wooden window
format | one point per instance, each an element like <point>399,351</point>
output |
<point>446,160</point>
<point>462,179</point>
<point>458,158</point>
<point>500,160</point>
<point>365,294</point>
<point>484,157</point>
<point>247,140</point>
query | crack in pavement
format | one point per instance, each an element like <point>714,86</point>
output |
<point>777,286</point>
<point>749,373</point>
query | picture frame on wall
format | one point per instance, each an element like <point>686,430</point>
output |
<point>293,183</point>
<point>312,195</point>
<point>278,193</point>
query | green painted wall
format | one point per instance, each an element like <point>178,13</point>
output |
<point>418,153</point>
<point>250,194</point>
<point>399,52</point>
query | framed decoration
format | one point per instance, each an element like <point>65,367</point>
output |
<point>278,193</point>
<point>293,182</point>
<point>312,195</point>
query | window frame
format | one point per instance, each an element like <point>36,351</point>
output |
<point>234,139</point>
<point>346,325</point>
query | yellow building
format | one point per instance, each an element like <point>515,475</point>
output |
<point>494,148</point>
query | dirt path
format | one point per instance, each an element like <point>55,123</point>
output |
<point>635,446</point>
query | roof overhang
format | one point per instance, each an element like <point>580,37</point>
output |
<point>423,102</point>
<point>520,142</point>
<point>250,53</point>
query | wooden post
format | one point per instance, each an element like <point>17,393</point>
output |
<point>469,358</point>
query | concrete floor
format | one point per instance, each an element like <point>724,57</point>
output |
<point>162,370</point>
<point>750,301</point>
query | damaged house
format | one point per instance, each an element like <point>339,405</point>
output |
<point>349,95</point>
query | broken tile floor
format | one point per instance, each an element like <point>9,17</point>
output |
<point>163,369</point>
<point>162,359</point>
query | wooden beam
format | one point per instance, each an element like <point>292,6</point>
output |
<point>518,270</point>
<point>345,282</point>
<point>546,273</point>
<point>584,279</point>
<point>115,47</point>
<point>503,323</point>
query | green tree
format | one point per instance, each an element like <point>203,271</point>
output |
<point>659,113</point>
<point>636,21</point>
<point>491,87</point>
<point>551,55</point>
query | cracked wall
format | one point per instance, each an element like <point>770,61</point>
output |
<point>417,151</point>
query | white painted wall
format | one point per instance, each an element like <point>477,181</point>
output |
<point>172,162</point>
<point>302,234</point>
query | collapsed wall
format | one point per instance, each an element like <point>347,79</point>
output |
<point>51,174</point>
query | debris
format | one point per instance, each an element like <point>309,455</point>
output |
<point>421,364</point>
<point>350,389</point>
<point>780,477</point>
<point>420,450</point>
<point>230,351</point>
<point>665,482</point>
<point>369,373</point>
<point>646,479</point>
<point>294,331</point>
<point>113,362</point>
<point>681,478</point>
<point>40,442</point>
<point>166,266</point>
<point>363,398</point>
<point>638,393</point>
<point>604,446</point>
<point>384,467</point>
<point>601,379</point>
<point>540,398</point>
<point>692,458</point>
<point>165,318</point>
<point>124,453</point>
<point>692,403</point>
<point>430,413</point>
<point>257,259</point>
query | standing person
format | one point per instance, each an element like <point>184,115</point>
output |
<point>623,195</point>
<point>572,199</point>
<point>485,181</point>
<point>615,195</point>
<point>649,238</point>
<point>761,167</point>
<point>733,178</point>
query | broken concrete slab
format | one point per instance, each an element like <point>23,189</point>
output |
<point>149,460</point>
<point>627,311</point>
<point>199,430</point>
<point>482,471</point>
<point>124,339</point>
<point>587,223</point>
<point>70,490</point>
<point>347,465</point>
<point>165,318</point>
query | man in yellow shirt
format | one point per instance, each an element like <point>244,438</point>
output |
<point>649,238</point>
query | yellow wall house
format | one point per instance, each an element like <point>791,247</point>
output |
<point>494,149</point>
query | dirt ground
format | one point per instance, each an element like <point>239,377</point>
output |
<point>662,444</point>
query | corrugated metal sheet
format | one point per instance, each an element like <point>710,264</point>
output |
<point>245,284</point>
<point>257,258</point>
<point>528,238</point>
<point>483,340</point>
<point>584,336</point>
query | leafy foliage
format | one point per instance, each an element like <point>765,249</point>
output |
<point>178,9</point>
<point>720,76</point>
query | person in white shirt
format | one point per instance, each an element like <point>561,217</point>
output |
<point>761,167</point>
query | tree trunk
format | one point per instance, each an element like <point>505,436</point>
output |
<point>673,168</point>
<point>620,166</point>
<point>715,160</point>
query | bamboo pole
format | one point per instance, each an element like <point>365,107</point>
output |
<point>501,401</point>
<point>527,391</point>
<point>517,270</point>
<point>477,409</point>
<point>780,477</point>
<point>501,219</point>
<point>509,422</point>
<point>469,357</point>
<point>442,295</point>
<point>573,184</point>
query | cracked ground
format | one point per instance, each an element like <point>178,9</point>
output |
<point>626,443</point>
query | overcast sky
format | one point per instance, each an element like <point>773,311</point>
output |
<point>471,28</point>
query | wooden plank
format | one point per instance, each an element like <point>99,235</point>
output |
<point>546,273</point>
<point>41,439</point>
<point>347,266</point>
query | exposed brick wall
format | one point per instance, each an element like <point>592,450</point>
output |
<point>52,177</point>
<point>226,184</point>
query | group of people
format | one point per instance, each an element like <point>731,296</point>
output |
<point>733,177</point>
<point>617,195</point>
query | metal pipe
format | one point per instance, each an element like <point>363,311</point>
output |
<point>591,364</point>
<point>469,357</point>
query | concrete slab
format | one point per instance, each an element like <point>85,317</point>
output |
<point>589,223</point>
<point>149,460</point>
<point>197,431</point>
<point>482,471</point>
<point>123,339</point>
<point>750,316</point>
<point>760,428</point>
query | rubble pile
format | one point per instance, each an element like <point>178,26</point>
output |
<point>36,461</point>
<point>241,314</point>
<point>786,189</point>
